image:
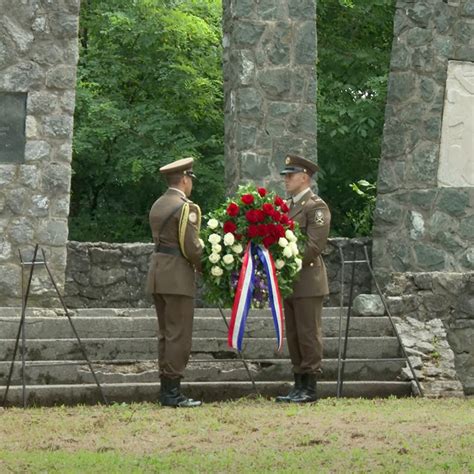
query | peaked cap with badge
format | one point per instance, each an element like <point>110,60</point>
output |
<point>298,164</point>
<point>183,166</point>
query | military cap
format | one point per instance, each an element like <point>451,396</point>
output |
<point>298,164</point>
<point>183,166</point>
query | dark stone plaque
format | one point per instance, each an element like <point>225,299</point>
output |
<point>12,127</point>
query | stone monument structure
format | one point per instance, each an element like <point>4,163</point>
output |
<point>423,241</point>
<point>269,86</point>
<point>424,219</point>
<point>38,56</point>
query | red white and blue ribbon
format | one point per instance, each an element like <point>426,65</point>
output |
<point>244,292</point>
<point>273,292</point>
<point>242,300</point>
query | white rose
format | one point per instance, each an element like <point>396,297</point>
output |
<point>228,259</point>
<point>217,248</point>
<point>287,252</point>
<point>217,271</point>
<point>289,234</point>
<point>299,263</point>
<point>212,223</point>
<point>214,239</point>
<point>282,242</point>
<point>294,248</point>
<point>229,239</point>
<point>214,257</point>
<point>237,248</point>
<point>279,264</point>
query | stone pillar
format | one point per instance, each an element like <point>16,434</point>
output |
<point>424,220</point>
<point>269,87</point>
<point>38,56</point>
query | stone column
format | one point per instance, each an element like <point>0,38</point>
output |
<point>38,56</point>
<point>269,86</point>
<point>424,219</point>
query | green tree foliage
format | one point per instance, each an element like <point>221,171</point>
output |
<point>354,45</point>
<point>149,91</point>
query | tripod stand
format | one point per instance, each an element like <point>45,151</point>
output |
<point>22,326</point>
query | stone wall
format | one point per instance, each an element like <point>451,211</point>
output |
<point>436,311</point>
<point>38,56</point>
<point>424,220</point>
<point>269,87</point>
<point>113,275</point>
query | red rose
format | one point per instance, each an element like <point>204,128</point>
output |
<point>251,216</point>
<point>276,216</point>
<point>271,229</point>
<point>280,231</point>
<point>268,209</point>
<point>229,226</point>
<point>284,219</point>
<point>247,199</point>
<point>278,201</point>
<point>259,215</point>
<point>238,236</point>
<point>262,191</point>
<point>291,224</point>
<point>232,209</point>
<point>268,241</point>
<point>262,230</point>
<point>252,231</point>
<point>284,207</point>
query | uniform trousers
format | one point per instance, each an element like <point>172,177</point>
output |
<point>304,334</point>
<point>175,326</point>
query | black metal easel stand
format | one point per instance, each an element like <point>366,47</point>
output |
<point>342,356</point>
<point>22,332</point>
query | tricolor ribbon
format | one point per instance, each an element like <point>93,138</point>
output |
<point>244,292</point>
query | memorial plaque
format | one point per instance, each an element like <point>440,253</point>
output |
<point>456,163</point>
<point>12,127</point>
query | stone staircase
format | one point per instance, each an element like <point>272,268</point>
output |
<point>123,346</point>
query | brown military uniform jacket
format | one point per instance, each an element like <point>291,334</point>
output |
<point>314,218</point>
<point>174,274</point>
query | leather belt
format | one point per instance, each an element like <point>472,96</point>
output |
<point>168,250</point>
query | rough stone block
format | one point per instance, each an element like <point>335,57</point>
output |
<point>368,305</point>
<point>429,258</point>
<point>247,34</point>
<point>305,44</point>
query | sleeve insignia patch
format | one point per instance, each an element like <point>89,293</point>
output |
<point>193,217</point>
<point>319,217</point>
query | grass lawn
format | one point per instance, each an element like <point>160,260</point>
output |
<point>394,435</point>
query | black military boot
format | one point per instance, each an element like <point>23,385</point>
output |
<point>172,397</point>
<point>293,392</point>
<point>308,393</point>
<point>164,387</point>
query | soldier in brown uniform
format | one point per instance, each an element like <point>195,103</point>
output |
<point>175,222</point>
<point>304,307</point>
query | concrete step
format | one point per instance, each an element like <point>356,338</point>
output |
<point>146,348</point>
<point>12,311</point>
<point>55,327</point>
<point>47,395</point>
<point>56,373</point>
